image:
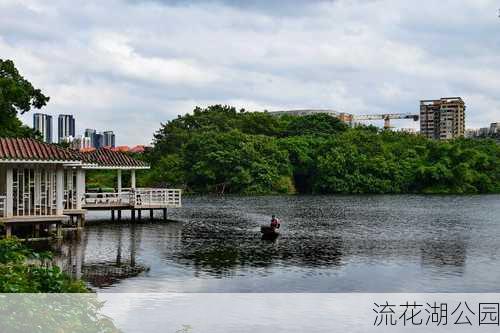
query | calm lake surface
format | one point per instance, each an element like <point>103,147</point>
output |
<point>401,243</point>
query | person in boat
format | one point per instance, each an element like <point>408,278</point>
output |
<point>275,223</point>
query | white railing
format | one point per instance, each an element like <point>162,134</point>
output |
<point>138,198</point>
<point>107,199</point>
<point>3,203</point>
<point>144,197</point>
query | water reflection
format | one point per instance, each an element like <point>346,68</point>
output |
<point>79,258</point>
<point>326,244</point>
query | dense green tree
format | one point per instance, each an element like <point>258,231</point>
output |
<point>316,124</point>
<point>17,95</point>
<point>222,150</point>
<point>234,162</point>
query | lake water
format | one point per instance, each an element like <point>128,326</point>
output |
<point>403,243</point>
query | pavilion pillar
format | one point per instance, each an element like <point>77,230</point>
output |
<point>9,192</point>
<point>80,188</point>
<point>8,230</point>
<point>59,191</point>
<point>132,179</point>
<point>119,181</point>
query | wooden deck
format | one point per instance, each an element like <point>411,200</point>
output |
<point>10,222</point>
<point>34,219</point>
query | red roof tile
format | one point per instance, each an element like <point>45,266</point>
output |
<point>109,158</point>
<point>25,149</point>
<point>138,149</point>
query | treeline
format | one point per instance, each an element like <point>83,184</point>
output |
<point>222,150</point>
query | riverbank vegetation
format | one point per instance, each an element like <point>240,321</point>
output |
<point>23,270</point>
<point>66,305</point>
<point>222,150</point>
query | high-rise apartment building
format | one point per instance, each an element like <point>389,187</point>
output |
<point>108,139</point>
<point>442,119</point>
<point>43,124</point>
<point>65,127</point>
<point>495,128</point>
<point>98,140</point>
<point>90,133</point>
<point>85,143</point>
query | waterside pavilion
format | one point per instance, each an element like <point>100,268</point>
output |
<point>43,185</point>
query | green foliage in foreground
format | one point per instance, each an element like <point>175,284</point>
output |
<point>28,299</point>
<point>25,271</point>
<point>221,150</point>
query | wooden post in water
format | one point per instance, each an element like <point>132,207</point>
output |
<point>164,214</point>
<point>132,214</point>
<point>119,214</point>
<point>112,215</point>
<point>139,212</point>
<point>151,216</point>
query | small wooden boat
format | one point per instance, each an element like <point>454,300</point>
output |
<point>269,232</point>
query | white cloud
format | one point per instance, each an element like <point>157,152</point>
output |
<point>116,55</point>
<point>129,65</point>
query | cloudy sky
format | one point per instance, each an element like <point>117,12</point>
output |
<point>129,65</point>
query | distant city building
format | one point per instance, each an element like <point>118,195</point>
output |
<point>471,133</point>
<point>69,140</point>
<point>484,132</point>
<point>80,143</point>
<point>65,128</point>
<point>108,139</point>
<point>442,119</point>
<point>495,129</point>
<point>76,143</point>
<point>43,124</point>
<point>90,134</point>
<point>98,140</point>
<point>85,142</point>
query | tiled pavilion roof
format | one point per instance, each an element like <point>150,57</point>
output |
<point>31,150</point>
<point>105,157</point>
<point>26,149</point>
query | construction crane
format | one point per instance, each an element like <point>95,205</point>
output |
<point>387,117</point>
